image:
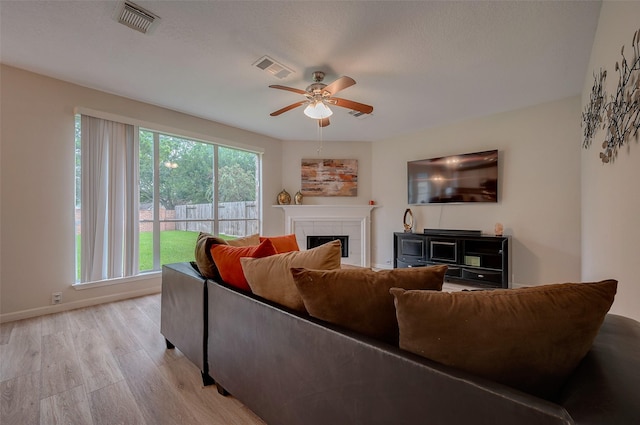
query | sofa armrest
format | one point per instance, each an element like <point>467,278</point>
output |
<point>604,387</point>
<point>183,315</point>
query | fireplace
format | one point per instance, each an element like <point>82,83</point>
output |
<point>330,222</point>
<point>317,240</point>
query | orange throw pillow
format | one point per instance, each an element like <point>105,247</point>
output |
<point>227,259</point>
<point>286,243</point>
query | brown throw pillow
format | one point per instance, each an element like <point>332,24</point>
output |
<point>528,338</point>
<point>270,277</point>
<point>250,240</point>
<point>359,299</point>
<point>206,266</point>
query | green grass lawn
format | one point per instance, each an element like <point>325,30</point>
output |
<point>175,246</point>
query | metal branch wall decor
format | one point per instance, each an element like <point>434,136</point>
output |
<point>620,116</point>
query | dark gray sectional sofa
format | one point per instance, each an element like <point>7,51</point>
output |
<point>291,369</point>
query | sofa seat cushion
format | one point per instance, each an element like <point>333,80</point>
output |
<point>271,277</point>
<point>359,299</point>
<point>528,338</point>
<point>227,259</point>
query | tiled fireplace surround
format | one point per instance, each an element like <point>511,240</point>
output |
<point>333,220</point>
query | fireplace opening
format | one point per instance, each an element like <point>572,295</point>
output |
<point>314,241</point>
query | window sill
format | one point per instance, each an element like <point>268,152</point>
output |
<point>118,281</point>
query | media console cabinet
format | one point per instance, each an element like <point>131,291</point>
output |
<point>472,258</point>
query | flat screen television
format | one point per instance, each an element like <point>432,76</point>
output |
<point>471,177</point>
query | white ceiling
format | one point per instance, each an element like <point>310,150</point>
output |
<point>419,63</point>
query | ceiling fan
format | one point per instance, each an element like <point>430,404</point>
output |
<point>319,96</point>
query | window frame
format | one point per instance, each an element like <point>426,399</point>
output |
<point>158,130</point>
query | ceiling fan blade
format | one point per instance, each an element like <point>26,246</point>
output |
<point>323,122</point>
<point>288,108</point>
<point>350,104</point>
<point>276,86</point>
<point>339,84</point>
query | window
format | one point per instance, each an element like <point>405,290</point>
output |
<point>180,187</point>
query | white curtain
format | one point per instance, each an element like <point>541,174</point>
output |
<point>109,200</point>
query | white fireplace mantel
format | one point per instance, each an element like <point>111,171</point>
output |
<point>323,220</point>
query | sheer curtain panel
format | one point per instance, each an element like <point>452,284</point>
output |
<point>109,199</point>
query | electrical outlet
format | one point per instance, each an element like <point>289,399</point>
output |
<point>56,298</point>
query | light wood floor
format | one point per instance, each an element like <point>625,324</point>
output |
<point>106,364</point>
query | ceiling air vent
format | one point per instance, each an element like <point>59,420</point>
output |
<point>359,115</point>
<point>274,68</point>
<point>136,17</point>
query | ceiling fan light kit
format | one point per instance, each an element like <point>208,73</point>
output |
<point>319,96</point>
<point>318,110</point>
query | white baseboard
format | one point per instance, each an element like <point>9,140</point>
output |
<point>41,311</point>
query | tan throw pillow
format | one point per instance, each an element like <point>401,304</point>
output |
<point>271,278</point>
<point>206,266</point>
<point>359,299</point>
<point>227,259</point>
<point>251,240</point>
<point>528,338</point>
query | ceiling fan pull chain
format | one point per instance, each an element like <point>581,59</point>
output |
<point>319,150</point>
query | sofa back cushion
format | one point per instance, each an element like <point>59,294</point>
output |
<point>285,243</point>
<point>271,277</point>
<point>528,338</point>
<point>359,299</point>
<point>250,240</point>
<point>227,259</point>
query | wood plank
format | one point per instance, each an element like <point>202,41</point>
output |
<point>20,404</point>
<point>115,330</point>
<point>150,305</point>
<point>159,402</point>
<point>21,356</point>
<point>146,332</point>
<point>205,402</point>
<point>82,319</point>
<point>54,323</point>
<point>61,369</point>
<point>98,365</point>
<point>115,405</point>
<point>27,327</point>
<point>66,408</point>
<point>5,332</point>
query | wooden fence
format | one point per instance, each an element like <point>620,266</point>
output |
<point>234,218</point>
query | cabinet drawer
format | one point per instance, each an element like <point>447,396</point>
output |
<point>404,264</point>
<point>452,270</point>
<point>482,276</point>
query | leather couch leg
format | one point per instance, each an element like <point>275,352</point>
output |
<point>206,379</point>
<point>221,390</point>
<point>169,344</point>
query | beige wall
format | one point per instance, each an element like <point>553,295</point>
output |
<point>37,187</point>
<point>539,187</point>
<point>610,193</point>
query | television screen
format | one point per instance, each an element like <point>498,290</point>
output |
<point>471,177</point>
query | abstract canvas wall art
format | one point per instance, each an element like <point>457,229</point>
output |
<point>329,177</point>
